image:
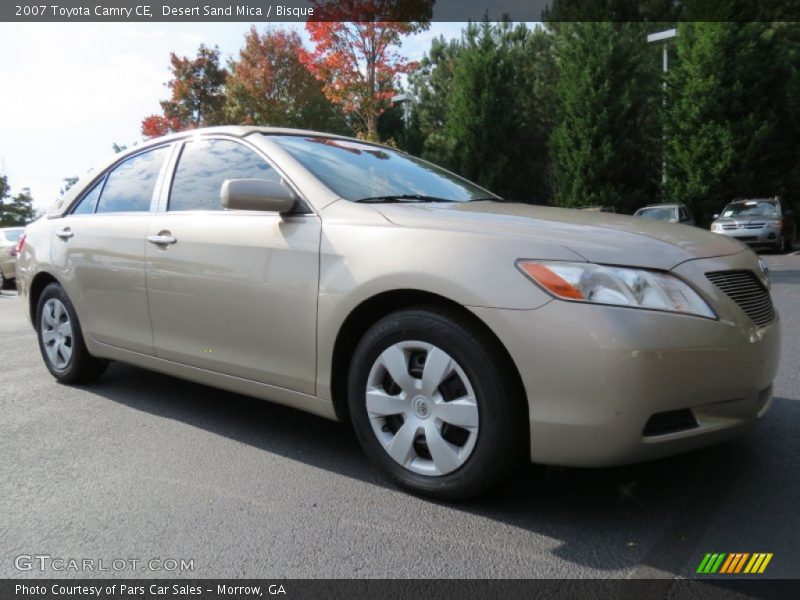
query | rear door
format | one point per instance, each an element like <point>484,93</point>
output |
<point>232,291</point>
<point>98,251</point>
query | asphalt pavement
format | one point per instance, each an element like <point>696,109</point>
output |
<point>144,466</point>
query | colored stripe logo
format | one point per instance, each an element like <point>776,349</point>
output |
<point>733,563</point>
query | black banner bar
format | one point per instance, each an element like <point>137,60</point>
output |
<point>294,589</point>
<point>396,10</point>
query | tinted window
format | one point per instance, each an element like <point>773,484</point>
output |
<point>204,165</point>
<point>356,170</point>
<point>87,203</point>
<point>129,187</point>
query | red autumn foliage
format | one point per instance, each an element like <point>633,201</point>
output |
<point>357,59</point>
<point>198,94</point>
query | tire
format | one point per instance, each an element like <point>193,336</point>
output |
<point>61,340</point>
<point>445,445</point>
<point>2,281</point>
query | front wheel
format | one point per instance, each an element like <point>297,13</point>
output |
<point>435,404</point>
<point>61,340</point>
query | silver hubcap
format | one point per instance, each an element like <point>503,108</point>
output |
<point>422,408</point>
<point>56,334</point>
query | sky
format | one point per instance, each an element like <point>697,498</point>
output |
<point>71,90</point>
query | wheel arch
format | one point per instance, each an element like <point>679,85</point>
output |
<point>371,310</point>
<point>40,281</point>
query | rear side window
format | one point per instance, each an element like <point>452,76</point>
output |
<point>204,165</point>
<point>86,204</point>
<point>129,187</point>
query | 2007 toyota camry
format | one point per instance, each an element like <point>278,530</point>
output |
<point>456,331</point>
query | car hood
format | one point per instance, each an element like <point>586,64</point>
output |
<point>597,237</point>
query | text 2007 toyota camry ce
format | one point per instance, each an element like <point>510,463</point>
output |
<point>456,331</point>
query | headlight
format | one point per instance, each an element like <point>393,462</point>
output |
<point>716,227</point>
<point>762,264</point>
<point>774,223</point>
<point>636,288</point>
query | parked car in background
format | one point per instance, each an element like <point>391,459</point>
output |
<point>9,236</point>
<point>670,213</point>
<point>758,222</point>
<point>458,333</point>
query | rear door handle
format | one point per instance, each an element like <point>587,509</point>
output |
<point>65,233</point>
<point>162,239</point>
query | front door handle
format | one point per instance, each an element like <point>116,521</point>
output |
<point>162,239</point>
<point>65,233</point>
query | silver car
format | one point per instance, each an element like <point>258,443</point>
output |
<point>458,333</point>
<point>765,223</point>
<point>9,237</point>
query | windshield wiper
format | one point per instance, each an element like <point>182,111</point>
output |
<point>403,198</point>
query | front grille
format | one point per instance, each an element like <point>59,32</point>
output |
<point>729,226</point>
<point>744,288</point>
<point>754,225</point>
<point>670,422</point>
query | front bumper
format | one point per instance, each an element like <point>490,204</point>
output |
<point>767,236</point>
<point>595,375</point>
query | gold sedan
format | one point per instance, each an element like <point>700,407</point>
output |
<point>458,332</point>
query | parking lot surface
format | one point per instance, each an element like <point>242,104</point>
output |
<point>144,466</point>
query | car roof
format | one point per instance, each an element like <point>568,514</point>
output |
<point>661,206</point>
<point>232,130</point>
<point>241,131</point>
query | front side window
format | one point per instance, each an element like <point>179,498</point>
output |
<point>129,187</point>
<point>204,165</point>
<point>89,200</point>
<point>360,171</point>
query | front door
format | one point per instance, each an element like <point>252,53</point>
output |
<point>233,291</point>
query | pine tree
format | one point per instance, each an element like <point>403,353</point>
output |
<point>731,119</point>
<point>605,145</point>
<point>489,123</point>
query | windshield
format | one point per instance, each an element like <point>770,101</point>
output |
<point>756,208</point>
<point>13,235</point>
<point>659,213</point>
<point>360,171</point>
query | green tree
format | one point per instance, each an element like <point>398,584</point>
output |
<point>491,124</point>
<point>17,211</point>
<point>605,146</point>
<point>432,85</point>
<point>732,118</point>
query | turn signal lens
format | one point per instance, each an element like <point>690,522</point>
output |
<point>617,286</point>
<point>551,281</point>
<point>17,249</point>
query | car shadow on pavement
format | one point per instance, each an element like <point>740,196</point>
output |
<point>652,516</point>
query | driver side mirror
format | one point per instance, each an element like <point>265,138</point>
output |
<point>716,215</point>
<point>257,194</point>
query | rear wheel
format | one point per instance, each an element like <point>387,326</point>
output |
<point>435,405</point>
<point>61,340</point>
